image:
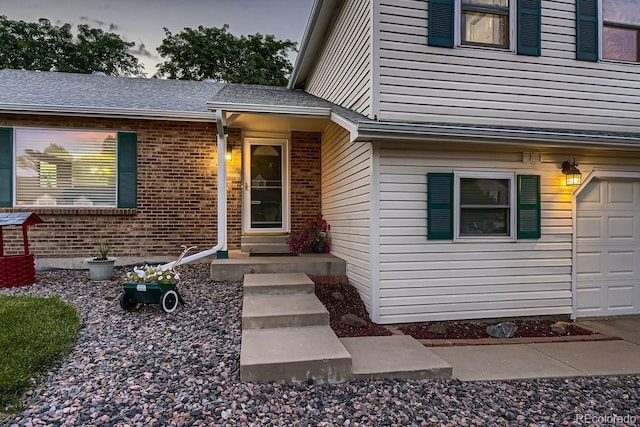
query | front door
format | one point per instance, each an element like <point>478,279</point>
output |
<point>265,193</point>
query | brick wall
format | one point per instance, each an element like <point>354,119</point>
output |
<point>177,193</point>
<point>305,177</point>
<point>177,167</point>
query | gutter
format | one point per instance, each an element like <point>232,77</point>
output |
<point>221,246</point>
<point>306,37</point>
<point>81,111</point>
<point>390,131</point>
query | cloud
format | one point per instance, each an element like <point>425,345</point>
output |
<point>141,50</point>
<point>103,25</point>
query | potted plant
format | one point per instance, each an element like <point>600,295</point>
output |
<point>101,267</point>
<point>313,237</point>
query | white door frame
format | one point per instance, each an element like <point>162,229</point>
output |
<point>246,183</point>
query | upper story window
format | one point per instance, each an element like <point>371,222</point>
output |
<point>67,168</point>
<point>621,30</point>
<point>485,23</point>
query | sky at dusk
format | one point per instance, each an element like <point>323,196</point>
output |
<point>142,21</point>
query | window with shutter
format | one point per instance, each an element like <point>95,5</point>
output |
<point>71,168</point>
<point>486,23</point>
<point>482,205</point>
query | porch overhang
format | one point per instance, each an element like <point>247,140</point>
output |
<point>274,117</point>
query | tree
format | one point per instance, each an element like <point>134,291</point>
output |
<point>45,47</point>
<point>214,53</point>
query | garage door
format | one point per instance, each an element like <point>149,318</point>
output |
<point>608,248</point>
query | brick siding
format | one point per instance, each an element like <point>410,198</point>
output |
<point>177,192</point>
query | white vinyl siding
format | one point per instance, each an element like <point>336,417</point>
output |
<point>423,280</point>
<point>342,73</point>
<point>346,204</point>
<point>419,83</point>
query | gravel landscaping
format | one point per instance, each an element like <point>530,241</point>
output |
<point>146,368</point>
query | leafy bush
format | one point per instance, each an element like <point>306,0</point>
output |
<point>314,233</point>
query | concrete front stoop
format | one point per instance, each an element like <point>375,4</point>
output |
<point>286,337</point>
<point>241,263</point>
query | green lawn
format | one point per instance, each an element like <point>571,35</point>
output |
<point>35,332</point>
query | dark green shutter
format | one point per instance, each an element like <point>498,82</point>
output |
<point>439,206</point>
<point>529,207</point>
<point>529,27</point>
<point>587,30</point>
<point>441,14</point>
<point>6,167</point>
<point>127,170</point>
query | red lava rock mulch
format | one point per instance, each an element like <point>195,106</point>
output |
<point>352,303</point>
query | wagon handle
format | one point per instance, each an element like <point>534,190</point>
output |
<point>185,250</point>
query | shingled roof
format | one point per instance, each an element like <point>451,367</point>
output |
<point>87,94</point>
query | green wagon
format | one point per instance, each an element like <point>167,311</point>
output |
<point>165,294</point>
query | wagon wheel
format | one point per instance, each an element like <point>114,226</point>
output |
<point>126,302</point>
<point>169,301</point>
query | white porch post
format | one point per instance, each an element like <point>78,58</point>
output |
<point>221,131</point>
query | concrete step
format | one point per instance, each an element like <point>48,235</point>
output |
<point>264,243</point>
<point>311,353</point>
<point>264,238</point>
<point>396,356</point>
<point>265,248</point>
<point>277,284</point>
<point>280,311</point>
<point>240,263</point>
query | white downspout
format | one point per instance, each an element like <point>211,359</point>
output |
<point>221,126</point>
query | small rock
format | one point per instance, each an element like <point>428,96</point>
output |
<point>502,330</point>
<point>561,328</point>
<point>438,328</point>
<point>338,296</point>
<point>353,320</point>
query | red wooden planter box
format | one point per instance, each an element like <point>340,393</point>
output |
<point>17,270</point>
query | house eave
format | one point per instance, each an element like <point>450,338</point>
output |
<point>319,19</point>
<point>271,109</point>
<point>128,113</point>
<point>386,131</point>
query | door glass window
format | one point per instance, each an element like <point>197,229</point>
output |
<point>266,186</point>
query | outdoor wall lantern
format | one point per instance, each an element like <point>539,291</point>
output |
<point>229,152</point>
<point>571,172</point>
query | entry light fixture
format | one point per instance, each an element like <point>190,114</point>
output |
<point>571,172</point>
<point>229,152</point>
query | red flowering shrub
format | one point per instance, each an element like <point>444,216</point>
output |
<point>313,237</point>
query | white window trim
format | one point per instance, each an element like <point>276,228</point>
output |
<point>457,23</point>
<point>513,205</point>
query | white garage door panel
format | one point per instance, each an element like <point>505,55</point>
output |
<point>608,249</point>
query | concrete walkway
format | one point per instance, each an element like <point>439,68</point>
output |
<point>286,337</point>
<point>552,360</point>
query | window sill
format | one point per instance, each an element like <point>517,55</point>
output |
<point>485,239</point>
<point>90,210</point>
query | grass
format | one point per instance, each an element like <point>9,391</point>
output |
<point>35,332</point>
